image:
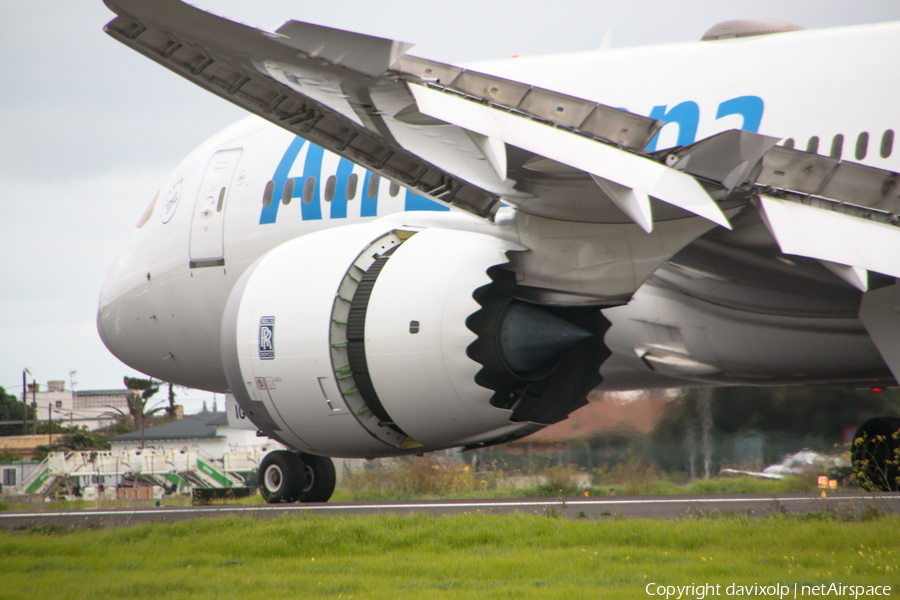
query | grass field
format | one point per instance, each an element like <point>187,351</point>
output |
<point>470,556</point>
<point>386,488</point>
<point>563,486</point>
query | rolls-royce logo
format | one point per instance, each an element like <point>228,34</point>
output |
<point>267,338</point>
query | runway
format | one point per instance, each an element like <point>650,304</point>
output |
<point>610,507</point>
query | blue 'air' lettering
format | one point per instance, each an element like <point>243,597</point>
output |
<point>369,206</point>
<point>339,202</point>
<point>417,202</point>
<point>686,115</point>
<point>312,208</point>
<point>280,177</point>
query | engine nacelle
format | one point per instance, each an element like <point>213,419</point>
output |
<point>352,341</point>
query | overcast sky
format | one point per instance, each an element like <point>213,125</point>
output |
<point>90,130</point>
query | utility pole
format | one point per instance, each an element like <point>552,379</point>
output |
<point>33,402</point>
<point>49,426</point>
<point>72,383</point>
<point>24,403</point>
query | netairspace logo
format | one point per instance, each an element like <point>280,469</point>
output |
<point>779,590</point>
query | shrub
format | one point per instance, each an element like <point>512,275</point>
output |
<point>406,478</point>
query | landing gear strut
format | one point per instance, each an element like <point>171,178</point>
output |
<point>288,477</point>
<point>876,454</point>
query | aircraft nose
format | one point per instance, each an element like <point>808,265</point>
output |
<point>109,310</point>
<point>124,284</point>
<point>103,322</point>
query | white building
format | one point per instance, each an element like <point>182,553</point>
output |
<point>208,431</point>
<point>89,408</point>
<point>13,473</point>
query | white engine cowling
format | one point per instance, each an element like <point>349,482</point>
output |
<point>352,341</point>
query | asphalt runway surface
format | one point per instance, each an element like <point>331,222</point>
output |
<point>608,507</point>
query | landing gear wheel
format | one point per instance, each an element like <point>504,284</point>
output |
<point>281,476</point>
<point>319,478</point>
<point>876,463</point>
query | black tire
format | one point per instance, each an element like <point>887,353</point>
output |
<point>875,459</point>
<point>319,478</point>
<point>281,477</point>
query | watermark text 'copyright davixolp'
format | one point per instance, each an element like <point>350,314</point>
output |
<point>779,590</point>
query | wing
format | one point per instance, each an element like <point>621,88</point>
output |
<point>469,139</point>
<point>360,97</point>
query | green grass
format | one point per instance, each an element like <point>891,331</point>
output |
<point>421,557</point>
<point>700,487</point>
<point>722,485</point>
<point>31,504</point>
<point>719,485</point>
<point>14,505</point>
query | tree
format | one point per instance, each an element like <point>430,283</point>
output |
<point>170,409</point>
<point>142,390</point>
<point>73,441</point>
<point>11,409</point>
<point>7,455</point>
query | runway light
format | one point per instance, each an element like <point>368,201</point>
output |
<point>878,389</point>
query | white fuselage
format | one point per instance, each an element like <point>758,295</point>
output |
<point>161,307</point>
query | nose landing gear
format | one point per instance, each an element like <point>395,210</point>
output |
<point>288,477</point>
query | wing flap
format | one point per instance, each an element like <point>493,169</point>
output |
<point>644,176</point>
<point>879,313</point>
<point>833,236</point>
<point>726,159</point>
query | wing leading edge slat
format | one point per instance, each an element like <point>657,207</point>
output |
<point>589,119</point>
<point>843,181</point>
